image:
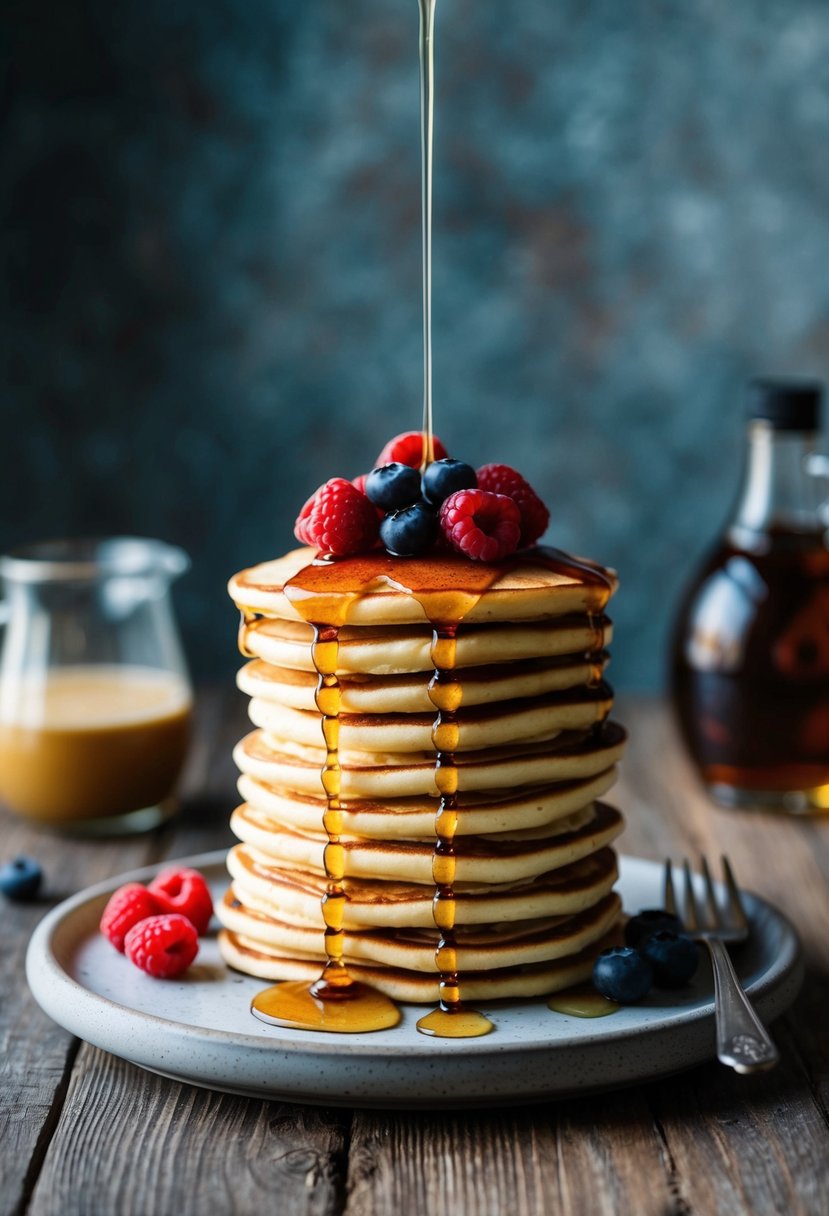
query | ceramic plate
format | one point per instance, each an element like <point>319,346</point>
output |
<point>199,1028</point>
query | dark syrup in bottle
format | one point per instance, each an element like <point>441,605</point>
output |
<point>750,662</point>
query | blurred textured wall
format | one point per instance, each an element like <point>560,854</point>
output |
<point>211,257</point>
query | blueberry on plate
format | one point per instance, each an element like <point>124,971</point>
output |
<point>20,879</point>
<point>673,957</point>
<point>393,486</point>
<point>622,974</point>
<point>648,921</point>
<point>444,477</point>
<point>410,531</point>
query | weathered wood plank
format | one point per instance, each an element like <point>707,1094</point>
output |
<point>140,1145</point>
<point>581,1158</point>
<point>757,1145</point>
<point>35,1053</point>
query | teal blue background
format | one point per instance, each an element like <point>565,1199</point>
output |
<point>211,289</point>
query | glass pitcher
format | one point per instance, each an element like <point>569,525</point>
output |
<point>95,700</point>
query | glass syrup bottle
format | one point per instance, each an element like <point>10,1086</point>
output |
<point>750,658</point>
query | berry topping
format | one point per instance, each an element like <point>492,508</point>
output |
<point>127,906</point>
<point>338,520</point>
<point>163,946</point>
<point>300,527</point>
<point>410,448</point>
<point>443,477</point>
<point>393,486</point>
<point>648,921</point>
<point>673,956</point>
<point>481,525</point>
<point>20,879</point>
<point>410,531</point>
<point>501,479</point>
<point>622,974</point>
<point>184,891</point>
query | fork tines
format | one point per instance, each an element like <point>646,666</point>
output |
<point>694,918</point>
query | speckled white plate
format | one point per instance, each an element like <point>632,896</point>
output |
<point>199,1028</point>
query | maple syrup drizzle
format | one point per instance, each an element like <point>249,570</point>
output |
<point>335,1001</point>
<point>582,1001</point>
<point>427,126</point>
<point>452,1019</point>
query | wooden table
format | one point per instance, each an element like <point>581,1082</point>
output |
<point>84,1132</point>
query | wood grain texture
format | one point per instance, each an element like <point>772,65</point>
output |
<point>35,1053</point>
<point>92,1134</point>
<point>134,1144</point>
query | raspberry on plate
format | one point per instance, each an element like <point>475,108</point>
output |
<point>409,448</point>
<point>163,946</point>
<point>481,525</point>
<point>338,520</point>
<point>185,891</point>
<point>126,907</point>
<point>501,479</point>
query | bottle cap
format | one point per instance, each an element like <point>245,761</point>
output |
<point>789,405</point>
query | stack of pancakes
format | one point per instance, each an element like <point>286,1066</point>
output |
<point>534,872</point>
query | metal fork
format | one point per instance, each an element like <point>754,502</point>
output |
<point>742,1040</point>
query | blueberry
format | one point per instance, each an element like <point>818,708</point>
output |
<point>410,531</point>
<point>650,920</point>
<point>393,486</point>
<point>622,974</point>
<point>673,957</point>
<point>20,879</point>
<point>443,477</point>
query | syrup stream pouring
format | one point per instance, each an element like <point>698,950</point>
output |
<point>427,126</point>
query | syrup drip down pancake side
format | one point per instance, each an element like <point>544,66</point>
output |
<point>472,750</point>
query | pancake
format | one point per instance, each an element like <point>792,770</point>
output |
<point>294,895</point>
<point>481,948</point>
<point>490,726</point>
<point>568,757</point>
<point>408,693</point>
<point>380,590</point>
<point>504,858</point>
<point>395,650</point>
<point>414,818</point>
<point>540,979</point>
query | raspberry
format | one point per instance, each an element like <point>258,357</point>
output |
<point>338,519</point>
<point>501,479</point>
<point>409,448</point>
<point>126,907</point>
<point>184,891</point>
<point>163,946</point>
<point>481,525</point>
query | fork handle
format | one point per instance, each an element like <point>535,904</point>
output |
<point>742,1040</point>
